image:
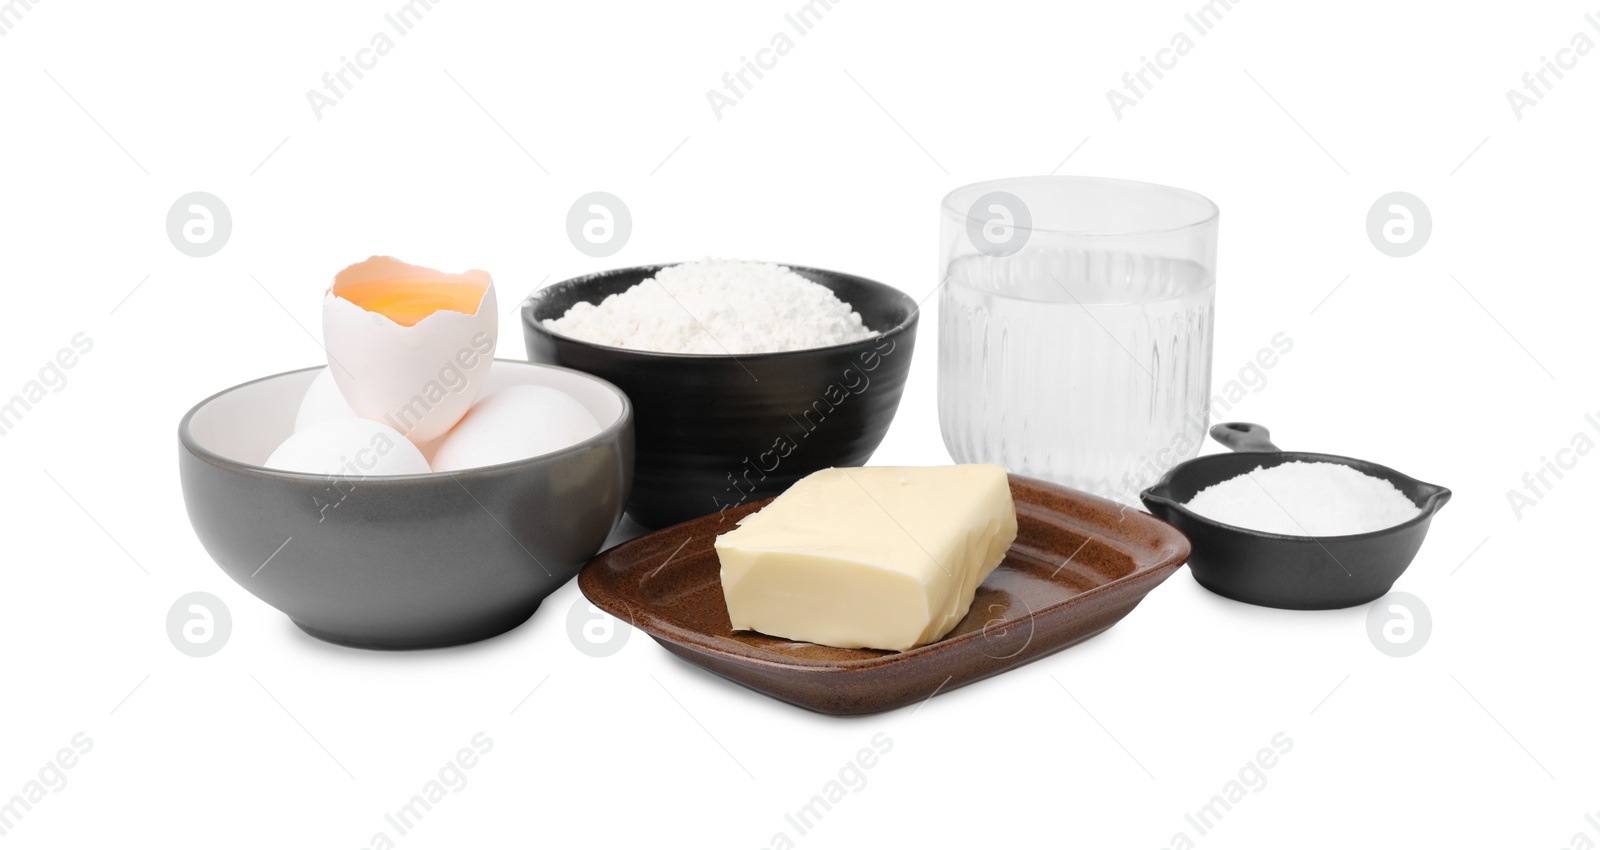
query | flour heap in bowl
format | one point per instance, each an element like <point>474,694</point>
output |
<point>1305,500</point>
<point>717,307</point>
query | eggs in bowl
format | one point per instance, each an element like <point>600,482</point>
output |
<point>401,561</point>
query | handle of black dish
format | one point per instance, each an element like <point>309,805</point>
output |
<point>1243,437</point>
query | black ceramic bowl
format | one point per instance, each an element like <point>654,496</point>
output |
<point>1280,570</point>
<point>716,431</point>
<point>401,561</point>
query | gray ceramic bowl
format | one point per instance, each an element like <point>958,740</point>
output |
<point>403,561</point>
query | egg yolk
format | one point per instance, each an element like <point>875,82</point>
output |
<point>408,302</point>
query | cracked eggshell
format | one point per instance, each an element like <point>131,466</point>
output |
<point>420,377</point>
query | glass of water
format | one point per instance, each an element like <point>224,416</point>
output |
<point>1075,328</point>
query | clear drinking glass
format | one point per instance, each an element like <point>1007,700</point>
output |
<point>1075,328</point>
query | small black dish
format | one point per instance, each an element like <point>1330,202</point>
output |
<point>1280,570</point>
<point>716,431</point>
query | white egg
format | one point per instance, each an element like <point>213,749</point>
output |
<point>349,448</point>
<point>323,402</point>
<point>515,423</point>
<point>410,346</point>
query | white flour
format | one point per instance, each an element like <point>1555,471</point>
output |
<point>717,307</point>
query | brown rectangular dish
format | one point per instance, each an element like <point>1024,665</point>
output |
<point>1079,564</point>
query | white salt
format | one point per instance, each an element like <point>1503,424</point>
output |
<point>717,307</point>
<point>1305,500</point>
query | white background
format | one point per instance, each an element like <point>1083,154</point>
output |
<point>1463,365</point>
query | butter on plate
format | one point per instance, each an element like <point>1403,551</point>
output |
<point>877,557</point>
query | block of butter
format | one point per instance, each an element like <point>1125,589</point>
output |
<point>878,557</point>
